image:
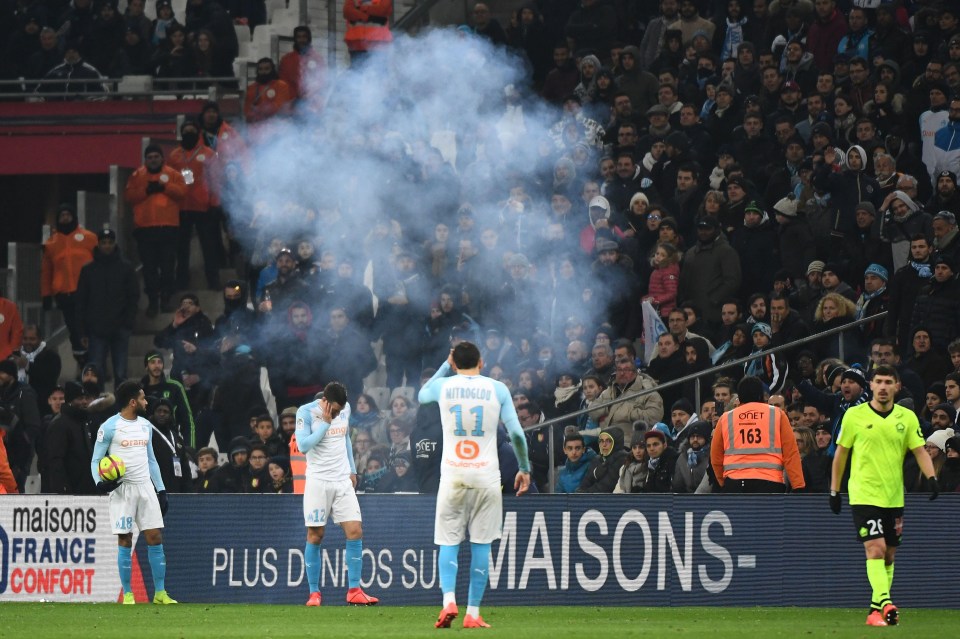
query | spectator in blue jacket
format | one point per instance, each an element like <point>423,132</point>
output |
<point>578,460</point>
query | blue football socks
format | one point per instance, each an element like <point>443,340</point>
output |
<point>311,558</point>
<point>448,567</point>
<point>125,565</point>
<point>158,566</point>
<point>479,566</point>
<point>354,561</point>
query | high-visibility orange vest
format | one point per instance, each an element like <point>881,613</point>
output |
<point>298,466</point>
<point>752,448</point>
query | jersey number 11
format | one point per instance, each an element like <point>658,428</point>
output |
<point>460,431</point>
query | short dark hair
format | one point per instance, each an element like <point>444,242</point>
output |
<point>627,344</point>
<point>265,418</point>
<point>334,392</point>
<point>750,389</point>
<point>888,371</point>
<point>466,355</point>
<point>573,437</point>
<point>887,341</point>
<point>779,295</point>
<point>530,406</point>
<point>127,391</point>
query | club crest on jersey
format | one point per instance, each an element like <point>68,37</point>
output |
<point>901,427</point>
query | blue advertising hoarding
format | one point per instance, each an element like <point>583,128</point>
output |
<point>562,550</point>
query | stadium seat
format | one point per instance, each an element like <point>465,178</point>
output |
<point>32,485</point>
<point>404,391</point>
<point>135,84</point>
<point>285,18</point>
<point>380,394</point>
<point>273,5</point>
<point>180,10</point>
<point>243,33</point>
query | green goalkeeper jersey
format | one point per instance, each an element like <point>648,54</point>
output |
<point>878,446</point>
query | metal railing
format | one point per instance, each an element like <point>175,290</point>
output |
<point>119,88</point>
<point>694,377</point>
<point>414,15</point>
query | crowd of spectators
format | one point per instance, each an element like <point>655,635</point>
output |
<point>82,41</point>
<point>758,173</point>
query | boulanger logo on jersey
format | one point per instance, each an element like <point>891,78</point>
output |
<point>56,548</point>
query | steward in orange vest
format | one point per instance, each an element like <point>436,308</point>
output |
<point>298,466</point>
<point>753,444</point>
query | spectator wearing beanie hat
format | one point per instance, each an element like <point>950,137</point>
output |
<point>950,473</point>
<point>854,390</point>
<point>873,301</point>
<point>694,460</point>
<point>67,446</point>
<point>947,195</point>
<point>772,368</point>
<point>943,416</point>
<point>794,237</point>
<point>937,306</point>
<point>935,445</point>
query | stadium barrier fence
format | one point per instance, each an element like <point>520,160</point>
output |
<point>610,550</point>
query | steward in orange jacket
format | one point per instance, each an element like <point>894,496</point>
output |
<point>753,444</point>
<point>368,24</point>
<point>156,192</point>
<point>195,160</point>
<point>303,68</point>
<point>64,254</point>
<point>268,96</point>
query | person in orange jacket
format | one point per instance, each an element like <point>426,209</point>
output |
<point>156,192</point>
<point>64,254</point>
<point>753,445</point>
<point>8,483</point>
<point>219,135</point>
<point>268,95</point>
<point>303,67</point>
<point>368,26</point>
<point>11,328</point>
<point>194,160</point>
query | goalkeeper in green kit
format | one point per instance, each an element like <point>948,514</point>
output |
<point>879,434</point>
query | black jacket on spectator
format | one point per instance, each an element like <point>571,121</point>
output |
<point>68,446</point>
<point>167,445</point>
<point>230,478</point>
<point>937,308</point>
<point>426,445</point>
<point>604,472</point>
<point>197,330</point>
<point>20,417</point>
<point>904,286</point>
<point>660,479</point>
<point>797,248</point>
<point>107,295</point>
<point>205,482</point>
<point>759,257</point>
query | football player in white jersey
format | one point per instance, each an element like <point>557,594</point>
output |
<point>470,499</point>
<point>330,489</point>
<point>128,435</point>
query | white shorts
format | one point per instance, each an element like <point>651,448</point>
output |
<point>134,504</point>
<point>460,509</point>
<point>321,499</point>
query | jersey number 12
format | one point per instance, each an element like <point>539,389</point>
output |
<point>460,431</point>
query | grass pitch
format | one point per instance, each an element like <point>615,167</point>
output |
<point>206,621</point>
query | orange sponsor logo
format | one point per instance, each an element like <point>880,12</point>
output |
<point>467,449</point>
